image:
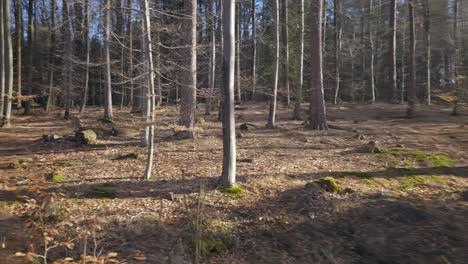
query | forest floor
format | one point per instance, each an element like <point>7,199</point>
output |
<point>406,204</point>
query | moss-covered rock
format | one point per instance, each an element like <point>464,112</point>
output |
<point>328,184</point>
<point>86,137</point>
<point>56,176</point>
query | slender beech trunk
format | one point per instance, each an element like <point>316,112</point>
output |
<point>403,66</point>
<point>212,73</point>
<point>427,28</point>
<point>88,48</point>
<point>300,62</point>
<point>189,90</point>
<point>150,93</point>
<point>412,86</point>
<point>392,52</point>
<point>325,22</point>
<point>31,22</point>
<point>2,62</point>
<point>131,100</point>
<point>221,39</point>
<point>338,33</point>
<point>68,59</point>
<point>272,113</point>
<point>286,50</point>
<point>254,49</point>
<point>8,47</point>
<point>318,118</point>
<point>228,175</point>
<point>108,90</point>
<point>238,40</point>
<point>19,49</point>
<point>372,51</point>
<point>50,93</point>
<point>157,57</point>
<point>456,53</point>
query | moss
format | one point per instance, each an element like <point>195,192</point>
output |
<point>102,191</point>
<point>369,182</point>
<point>110,120</point>
<point>440,160</point>
<point>67,163</point>
<point>409,182</point>
<point>211,243</point>
<point>358,174</point>
<point>56,176</point>
<point>234,192</point>
<point>328,184</point>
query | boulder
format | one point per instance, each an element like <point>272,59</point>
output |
<point>86,137</point>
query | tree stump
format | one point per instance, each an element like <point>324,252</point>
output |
<point>85,137</point>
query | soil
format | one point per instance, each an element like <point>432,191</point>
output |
<point>392,207</point>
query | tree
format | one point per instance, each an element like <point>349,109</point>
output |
<point>148,50</point>
<point>300,59</point>
<point>427,28</point>
<point>286,49</point>
<point>238,41</point>
<point>212,69</point>
<point>338,42</point>
<point>50,92</point>
<point>392,52</point>
<point>2,63</point>
<point>108,89</point>
<point>272,113</point>
<point>254,49</point>
<point>68,74</point>
<point>318,119</point>
<point>372,51</point>
<point>88,44</point>
<point>228,175</point>
<point>412,86</point>
<point>189,89</point>
<point>8,58</point>
<point>31,51</point>
<point>19,48</point>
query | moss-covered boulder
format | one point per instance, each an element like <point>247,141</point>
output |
<point>328,184</point>
<point>86,137</point>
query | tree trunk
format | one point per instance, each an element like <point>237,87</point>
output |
<point>189,90</point>
<point>238,40</point>
<point>108,90</point>
<point>318,119</point>
<point>392,51</point>
<point>286,50</point>
<point>150,92</point>
<point>228,175</point>
<point>300,60</point>
<point>157,62</point>
<point>88,48</point>
<point>254,49</point>
<point>456,51</point>
<point>19,48</point>
<point>212,73</point>
<point>2,62</point>
<point>50,93</point>
<point>412,86</point>
<point>31,22</point>
<point>338,33</point>
<point>427,27</point>
<point>68,59</point>
<point>8,64</point>
<point>372,52</point>
<point>272,113</point>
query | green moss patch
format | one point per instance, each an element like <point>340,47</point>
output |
<point>410,159</point>
<point>56,176</point>
<point>328,184</point>
<point>109,120</point>
<point>234,192</point>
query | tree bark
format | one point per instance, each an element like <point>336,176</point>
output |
<point>300,69</point>
<point>272,113</point>
<point>150,92</point>
<point>19,49</point>
<point>318,119</point>
<point>50,93</point>
<point>254,49</point>
<point>88,48</point>
<point>427,28</point>
<point>372,52</point>
<point>392,52</point>
<point>412,86</point>
<point>338,33</point>
<point>68,60</point>
<point>286,50</point>
<point>108,90</point>
<point>212,69</point>
<point>228,175</point>
<point>8,65</point>
<point>238,41</point>
<point>31,29</point>
<point>2,62</point>
<point>189,90</point>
